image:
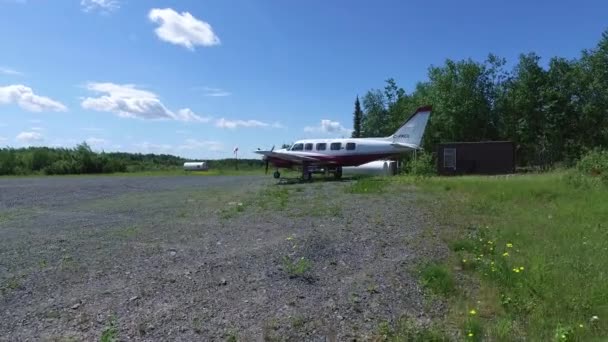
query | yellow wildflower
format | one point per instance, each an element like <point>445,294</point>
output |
<point>581,325</point>
<point>473,312</point>
<point>521,268</point>
<point>505,254</point>
<point>464,260</point>
<point>470,334</point>
<point>492,263</point>
<point>509,245</point>
<point>516,270</point>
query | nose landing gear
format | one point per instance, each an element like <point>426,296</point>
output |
<point>276,174</point>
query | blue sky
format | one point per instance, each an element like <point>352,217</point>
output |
<point>197,78</point>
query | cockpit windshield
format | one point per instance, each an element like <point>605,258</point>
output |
<point>297,147</point>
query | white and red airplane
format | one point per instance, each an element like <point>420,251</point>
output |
<point>332,154</point>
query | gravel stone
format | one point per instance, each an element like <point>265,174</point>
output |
<point>201,269</point>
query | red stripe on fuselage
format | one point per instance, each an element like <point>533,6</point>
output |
<point>343,160</point>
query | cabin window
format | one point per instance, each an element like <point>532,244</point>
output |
<point>308,147</point>
<point>297,147</point>
<point>321,146</point>
<point>335,146</point>
<point>449,158</point>
<point>350,146</point>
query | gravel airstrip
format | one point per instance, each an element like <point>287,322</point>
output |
<point>208,258</point>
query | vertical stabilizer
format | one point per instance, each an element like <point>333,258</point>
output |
<point>413,129</point>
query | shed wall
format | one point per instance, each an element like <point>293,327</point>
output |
<point>495,157</point>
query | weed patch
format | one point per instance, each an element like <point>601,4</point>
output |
<point>11,284</point>
<point>407,330</point>
<point>110,332</point>
<point>231,210</point>
<point>126,232</point>
<point>437,278</point>
<point>276,197</point>
<point>300,267</point>
<point>368,186</point>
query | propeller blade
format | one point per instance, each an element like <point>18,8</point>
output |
<point>266,166</point>
<point>272,149</point>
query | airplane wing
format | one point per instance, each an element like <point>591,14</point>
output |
<point>293,158</point>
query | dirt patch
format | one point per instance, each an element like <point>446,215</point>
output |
<point>211,258</point>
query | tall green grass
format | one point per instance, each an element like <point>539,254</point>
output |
<point>540,242</point>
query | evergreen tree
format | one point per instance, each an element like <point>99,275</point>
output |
<point>357,116</point>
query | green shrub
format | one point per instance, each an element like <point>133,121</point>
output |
<point>60,167</point>
<point>591,170</point>
<point>422,165</point>
<point>7,161</point>
<point>594,163</point>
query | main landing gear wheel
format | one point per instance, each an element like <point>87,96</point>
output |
<point>276,174</point>
<point>307,176</point>
<point>338,173</point>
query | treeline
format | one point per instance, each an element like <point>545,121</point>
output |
<point>82,160</point>
<point>554,114</point>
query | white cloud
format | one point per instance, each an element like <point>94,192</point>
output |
<point>182,28</point>
<point>188,115</point>
<point>328,127</point>
<point>29,137</point>
<point>127,101</point>
<point>10,72</point>
<point>223,123</point>
<point>25,97</point>
<point>193,144</point>
<point>215,92</point>
<point>101,5</point>
<point>232,124</point>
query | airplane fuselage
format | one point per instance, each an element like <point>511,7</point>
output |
<point>338,152</point>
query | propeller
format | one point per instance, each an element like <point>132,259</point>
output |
<point>267,161</point>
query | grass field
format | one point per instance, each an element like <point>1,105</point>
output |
<point>529,256</point>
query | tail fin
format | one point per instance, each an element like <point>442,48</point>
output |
<point>411,132</point>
